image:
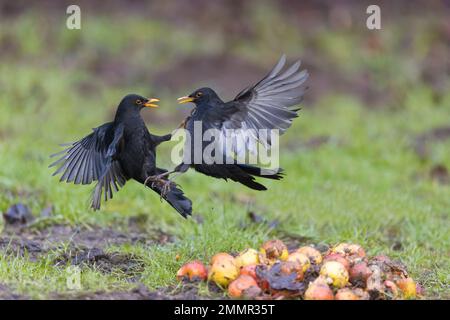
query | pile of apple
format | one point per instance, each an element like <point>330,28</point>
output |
<point>344,272</point>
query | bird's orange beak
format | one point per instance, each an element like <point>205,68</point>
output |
<point>185,99</point>
<point>151,103</point>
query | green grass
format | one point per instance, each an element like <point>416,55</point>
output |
<point>365,185</point>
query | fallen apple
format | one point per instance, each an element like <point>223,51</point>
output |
<point>408,288</point>
<point>391,289</point>
<point>274,279</point>
<point>339,258</point>
<point>348,249</point>
<point>223,270</point>
<point>249,270</point>
<point>381,258</point>
<point>247,257</point>
<point>272,251</point>
<point>240,285</point>
<point>221,256</point>
<point>301,259</point>
<point>313,255</point>
<point>346,294</point>
<point>360,272</point>
<point>192,271</point>
<point>318,290</point>
<point>354,253</point>
<point>254,292</point>
<point>334,273</point>
<point>289,267</point>
<point>374,282</point>
<point>362,294</point>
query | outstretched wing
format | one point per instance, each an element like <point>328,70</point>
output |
<point>269,104</point>
<point>93,158</point>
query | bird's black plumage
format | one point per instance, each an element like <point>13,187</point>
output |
<point>269,104</point>
<point>116,152</point>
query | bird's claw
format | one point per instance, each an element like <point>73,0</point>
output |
<point>149,178</point>
<point>153,179</point>
<point>163,183</point>
<point>166,188</point>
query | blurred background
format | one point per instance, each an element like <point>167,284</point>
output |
<point>168,47</point>
<point>367,160</point>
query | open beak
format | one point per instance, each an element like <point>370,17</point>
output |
<point>185,99</point>
<point>151,103</point>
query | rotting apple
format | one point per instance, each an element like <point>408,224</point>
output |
<point>374,282</point>
<point>192,271</point>
<point>223,271</point>
<point>272,251</point>
<point>349,249</point>
<point>301,259</point>
<point>362,294</point>
<point>241,284</point>
<point>346,294</point>
<point>408,288</point>
<point>221,256</point>
<point>360,272</point>
<point>318,290</point>
<point>247,257</point>
<point>354,253</point>
<point>249,270</point>
<point>381,258</point>
<point>289,267</point>
<point>339,258</point>
<point>391,289</point>
<point>335,273</point>
<point>313,255</point>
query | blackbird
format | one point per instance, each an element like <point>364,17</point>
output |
<point>269,104</point>
<point>116,152</point>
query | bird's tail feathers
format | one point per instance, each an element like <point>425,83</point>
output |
<point>176,198</point>
<point>276,174</point>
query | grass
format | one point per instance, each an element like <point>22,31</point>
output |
<point>365,185</point>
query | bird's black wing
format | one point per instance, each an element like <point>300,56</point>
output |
<point>269,104</point>
<point>93,158</point>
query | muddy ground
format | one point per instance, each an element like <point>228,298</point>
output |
<point>92,247</point>
<point>87,247</point>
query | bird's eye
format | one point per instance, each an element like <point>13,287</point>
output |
<point>199,94</point>
<point>138,101</point>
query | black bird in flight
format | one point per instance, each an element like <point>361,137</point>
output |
<point>117,152</point>
<point>269,104</point>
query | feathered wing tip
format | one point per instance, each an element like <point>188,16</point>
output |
<point>111,181</point>
<point>272,103</point>
<point>283,85</point>
<point>96,197</point>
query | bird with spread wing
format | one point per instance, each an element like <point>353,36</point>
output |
<point>270,104</point>
<point>116,152</point>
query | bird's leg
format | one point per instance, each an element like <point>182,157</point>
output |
<point>167,183</point>
<point>157,178</point>
<point>166,187</point>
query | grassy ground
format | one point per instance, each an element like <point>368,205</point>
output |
<point>353,173</point>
